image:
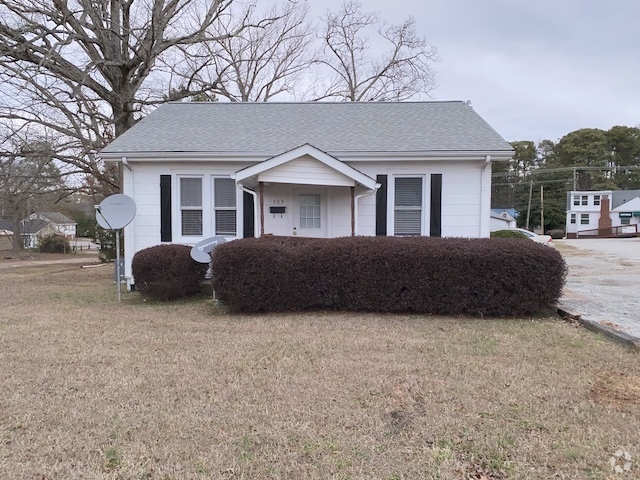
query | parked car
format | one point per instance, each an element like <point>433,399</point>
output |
<point>544,239</point>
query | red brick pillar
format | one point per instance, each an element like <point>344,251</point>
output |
<point>604,223</point>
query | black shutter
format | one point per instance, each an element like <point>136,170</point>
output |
<point>436,205</point>
<point>381,206</point>
<point>248,215</point>
<point>165,208</point>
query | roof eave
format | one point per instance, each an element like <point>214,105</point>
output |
<point>167,156</point>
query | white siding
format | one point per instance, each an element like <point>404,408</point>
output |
<point>305,170</point>
<point>462,195</point>
<point>142,183</point>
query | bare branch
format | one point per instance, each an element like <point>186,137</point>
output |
<point>402,72</point>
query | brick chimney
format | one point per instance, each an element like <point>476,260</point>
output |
<point>604,223</point>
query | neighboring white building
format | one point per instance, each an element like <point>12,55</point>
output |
<point>40,224</point>
<point>602,213</point>
<point>501,220</point>
<point>196,170</point>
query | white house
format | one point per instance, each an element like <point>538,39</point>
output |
<point>502,220</point>
<point>40,224</point>
<point>197,170</point>
<point>602,213</point>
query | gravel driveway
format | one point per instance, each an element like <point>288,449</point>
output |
<point>604,281</point>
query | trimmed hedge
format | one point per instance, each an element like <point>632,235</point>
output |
<point>507,234</point>
<point>448,276</point>
<point>167,272</point>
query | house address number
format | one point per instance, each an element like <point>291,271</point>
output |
<point>278,202</point>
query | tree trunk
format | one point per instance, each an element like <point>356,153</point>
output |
<point>17,246</point>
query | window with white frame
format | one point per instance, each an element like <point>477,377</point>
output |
<point>596,200</point>
<point>407,207</point>
<point>573,218</point>
<point>224,204</point>
<point>584,200</point>
<point>584,219</point>
<point>191,206</point>
<point>576,200</point>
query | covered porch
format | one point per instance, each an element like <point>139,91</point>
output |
<point>305,192</point>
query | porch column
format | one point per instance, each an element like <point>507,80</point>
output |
<point>261,209</point>
<point>353,211</point>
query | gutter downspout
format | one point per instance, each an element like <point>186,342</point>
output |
<point>357,197</point>
<point>255,206</point>
<point>483,191</point>
<point>129,233</point>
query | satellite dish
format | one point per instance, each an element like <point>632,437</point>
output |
<point>200,251</point>
<point>115,212</point>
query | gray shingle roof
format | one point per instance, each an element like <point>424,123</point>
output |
<point>620,197</point>
<point>6,224</point>
<point>272,128</point>
<point>31,227</point>
<point>56,217</point>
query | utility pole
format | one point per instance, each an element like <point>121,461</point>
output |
<point>529,207</point>
<point>542,208</point>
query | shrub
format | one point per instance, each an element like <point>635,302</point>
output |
<point>54,243</point>
<point>507,234</point>
<point>556,234</point>
<point>167,272</point>
<point>388,274</point>
<point>107,241</point>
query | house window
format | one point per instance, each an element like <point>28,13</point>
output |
<point>576,200</point>
<point>573,218</point>
<point>584,219</point>
<point>596,200</point>
<point>224,198</point>
<point>191,206</point>
<point>310,211</point>
<point>408,206</point>
<point>625,221</point>
<point>584,200</point>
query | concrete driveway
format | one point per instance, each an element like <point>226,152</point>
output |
<point>604,281</point>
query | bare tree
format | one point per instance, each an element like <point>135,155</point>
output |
<point>88,69</point>
<point>403,71</point>
<point>27,170</point>
<point>263,62</point>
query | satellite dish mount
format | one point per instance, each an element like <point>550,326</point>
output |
<point>116,212</point>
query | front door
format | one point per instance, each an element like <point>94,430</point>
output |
<point>310,213</point>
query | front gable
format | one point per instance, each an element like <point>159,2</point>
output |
<point>632,205</point>
<point>304,165</point>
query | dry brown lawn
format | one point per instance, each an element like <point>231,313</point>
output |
<point>94,389</point>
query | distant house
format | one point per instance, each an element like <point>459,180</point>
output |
<point>40,224</point>
<point>6,231</point>
<point>317,169</point>
<point>502,220</point>
<point>602,213</point>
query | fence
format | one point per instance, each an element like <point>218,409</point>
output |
<point>610,232</point>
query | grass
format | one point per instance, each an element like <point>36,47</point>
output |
<point>96,389</point>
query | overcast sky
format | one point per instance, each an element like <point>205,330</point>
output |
<point>533,69</point>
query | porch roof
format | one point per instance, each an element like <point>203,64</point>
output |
<point>305,165</point>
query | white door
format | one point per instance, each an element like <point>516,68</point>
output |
<point>310,213</point>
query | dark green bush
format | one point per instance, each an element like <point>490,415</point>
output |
<point>556,234</point>
<point>453,276</point>
<point>53,243</point>
<point>507,234</point>
<point>167,272</point>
